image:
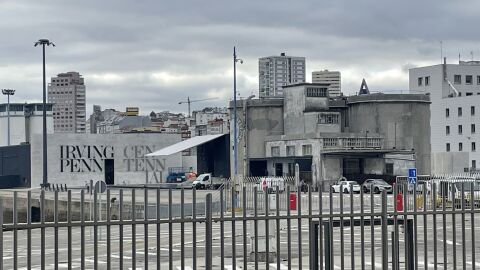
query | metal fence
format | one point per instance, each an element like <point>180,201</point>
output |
<point>182,229</point>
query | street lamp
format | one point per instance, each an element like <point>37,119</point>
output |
<point>235,150</point>
<point>8,93</point>
<point>43,43</point>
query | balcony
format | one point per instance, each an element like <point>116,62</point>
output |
<point>352,143</point>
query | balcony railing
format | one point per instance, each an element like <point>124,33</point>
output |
<point>352,143</point>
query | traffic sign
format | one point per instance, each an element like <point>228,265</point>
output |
<point>100,186</point>
<point>412,176</point>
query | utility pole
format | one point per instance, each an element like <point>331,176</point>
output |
<point>8,93</point>
<point>43,43</point>
<point>235,150</point>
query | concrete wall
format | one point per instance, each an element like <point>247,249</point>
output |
<point>374,166</point>
<point>74,159</point>
<point>403,120</point>
<point>450,162</point>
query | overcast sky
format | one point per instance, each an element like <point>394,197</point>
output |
<point>153,54</point>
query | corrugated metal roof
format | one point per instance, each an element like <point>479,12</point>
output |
<point>184,145</point>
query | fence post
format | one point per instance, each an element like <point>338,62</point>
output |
<point>1,234</point>
<point>384,231</point>
<point>326,245</point>
<point>410,265</point>
<point>208,232</point>
<point>314,236</point>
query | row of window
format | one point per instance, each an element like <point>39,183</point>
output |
<point>459,111</point>
<point>316,92</point>
<point>328,118</point>
<point>306,150</point>
<point>460,129</point>
<point>457,79</point>
<point>421,79</point>
<point>473,147</point>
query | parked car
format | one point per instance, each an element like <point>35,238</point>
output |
<point>377,185</point>
<point>346,186</point>
<point>207,181</point>
<point>176,177</point>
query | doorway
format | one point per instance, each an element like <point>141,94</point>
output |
<point>109,172</point>
<point>278,169</point>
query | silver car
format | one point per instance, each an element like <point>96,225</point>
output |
<point>377,185</point>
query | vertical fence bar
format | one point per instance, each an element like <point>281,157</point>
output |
<point>352,240</point>
<point>42,230</point>
<point>464,251</point>
<point>454,227</point>
<point>234,243</point>
<point>395,237</point>
<point>15,232</point>
<point>372,228</point>
<point>95,230</point>
<point>208,232</point>
<point>267,231</point>
<point>410,262</point>
<point>244,204</point>
<point>145,226</point>
<point>109,232</point>
<point>255,225</point>
<point>342,239</point>
<point>405,218</point>
<point>29,231</point>
<point>1,234</point>
<point>170,230</point>
<point>134,231</point>
<point>194,227</point>
<point>120,232</point>
<point>222,228</point>
<point>415,224</point>
<point>277,221</point>
<point>82,229</point>
<point>473,204</point>
<point>182,229</point>
<point>310,219</point>
<point>158,227</point>
<point>299,231</point>
<point>330,233</point>
<point>362,229</point>
<point>434,226</point>
<point>384,231</point>
<point>444,189</point>
<point>320,227</point>
<point>425,226</point>
<point>55,230</point>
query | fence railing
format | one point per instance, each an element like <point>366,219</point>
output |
<point>183,229</point>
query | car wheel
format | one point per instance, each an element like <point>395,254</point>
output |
<point>345,191</point>
<point>365,190</point>
<point>377,190</point>
<point>332,189</point>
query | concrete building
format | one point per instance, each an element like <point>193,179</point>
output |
<point>377,135</point>
<point>274,72</point>
<point>25,121</point>
<point>210,121</point>
<point>75,159</point>
<point>454,91</point>
<point>333,78</point>
<point>67,93</point>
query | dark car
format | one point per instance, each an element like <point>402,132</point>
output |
<point>176,177</point>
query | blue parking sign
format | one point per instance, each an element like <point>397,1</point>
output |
<point>412,176</point>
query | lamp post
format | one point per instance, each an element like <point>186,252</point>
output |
<point>235,150</point>
<point>43,43</point>
<point>8,93</point>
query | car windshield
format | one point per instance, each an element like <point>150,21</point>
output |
<point>381,182</point>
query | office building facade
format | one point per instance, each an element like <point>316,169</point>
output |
<point>275,72</point>
<point>67,93</point>
<point>333,78</point>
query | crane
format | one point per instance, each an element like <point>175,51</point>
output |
<point>188,101</point>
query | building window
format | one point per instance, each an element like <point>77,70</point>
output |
<point>427,81</point>
<point>316,92</point>
<point>291,169</point>
<point>460,129</point>
<point>472,110</point>
<point>474,147</point>
<point>457,79</point>
<point>290,150</point>
<point>472,128</point>
<point>448,147</point>
<point>474,164</point>
<point>459,111</point>
<point>389,168</point>
<point>275,151</point>
<point>460,147</point>
<point>468,79</point>
<point>307,150</point>
<point>447,130</point>
<point>478,79</point>
<point>328,118</point>
<point>420,81</point>
<point>447,112</point>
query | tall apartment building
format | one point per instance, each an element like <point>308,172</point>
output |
<point>454,91</point>
<point>277,71</point>
<point>331,77</point>
<point>67,93</point>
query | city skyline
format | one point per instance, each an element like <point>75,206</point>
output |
<point>172,53</point>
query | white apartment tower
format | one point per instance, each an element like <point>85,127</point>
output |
<point>331,77</point>
<point>67,93</point>
<point>277,71</point>
<point>455,113</point>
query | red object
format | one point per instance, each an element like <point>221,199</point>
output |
<point>399,202</point>
<point>264,184</point>
<point>293,201</point>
